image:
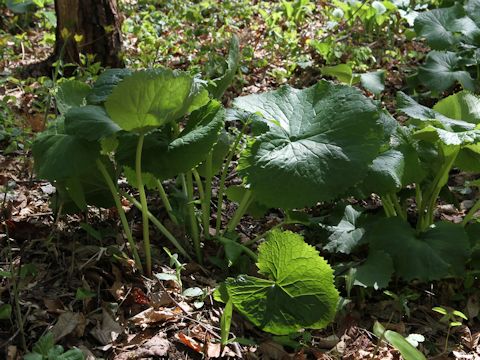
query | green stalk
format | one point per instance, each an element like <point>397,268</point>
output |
<point>166,202</point>
<point>388,207</point>
<point>121,213</point>
<point>143,202</point>
<point>438,183</point>
<point>396,205</point>
<point>198,180</point>
<point>159,225</point>
<point>208,195</point>
<point>223,177</point>
<point>471,213</point>
<point>242,208</point>
<point>192,218</point>
<point>247,251</point>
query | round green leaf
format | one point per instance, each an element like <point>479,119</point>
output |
<point>71,93</point>
<point>299,292</point>
<point>376,271</point>
<point>442,70</point>
<point>89,122</point>
<point>152,98</point>
<point>460,106</point>
<point>319,143</point>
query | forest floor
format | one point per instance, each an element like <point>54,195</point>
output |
<point>69,274</point>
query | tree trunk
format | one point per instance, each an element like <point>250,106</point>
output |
<point>88,27</point>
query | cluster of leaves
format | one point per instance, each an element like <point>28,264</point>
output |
<point>454,35</point>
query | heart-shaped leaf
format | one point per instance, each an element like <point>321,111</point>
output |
<point>313,133</point>
<point>442,70</point>
<point>299,292</point>
<point>152,98</point>
<point>440,251</point>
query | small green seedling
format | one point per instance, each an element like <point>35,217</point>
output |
<point>451,317</point>
<point>45,349</point>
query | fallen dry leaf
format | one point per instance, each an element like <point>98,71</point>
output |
<point>108,331</point>
<point>69,323</point>
<point>156,346</point>
<point>151,316</point>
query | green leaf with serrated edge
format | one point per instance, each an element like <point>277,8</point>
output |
<point>152,98</point>
<point>90,123</point>
<point>346,235</point>
<point>298,292</point>
<point>376,271</point>
<point>72,354</point>
<point>442,70</point>
<point>313,133</point>
<point>221,83</point>
<point>58,157</point>
<point>342,72</point>
<point>166,156</point>
<point>149,180</point>
<point>373,81</point>
<point>439,26</point>
<point>406,349</point>
<point>236,193</point>
<point>449,138</point>
<point>105,83</point>
<point>71,93</point>
<point>430,256</point>
<point>5,311</point>
<point>44,344</point>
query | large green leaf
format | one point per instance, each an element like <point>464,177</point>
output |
<point>373,81</point>
<point>439,26</point>
<point>71,93</point>
<point>319,143</point>
<point>442,70</point>
<point>299,292</point>
<point>376,271</point>
<point>460,106</point>
<point>165,155</point>
<point>152,98</point>
<point>439,252</point>
<point>61,156</point>
<point>105,83</point>
<point>221,83</point>
<point>89,122</point>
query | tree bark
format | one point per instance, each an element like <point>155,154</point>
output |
<point>88,27</point>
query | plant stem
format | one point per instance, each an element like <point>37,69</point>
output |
<point>396,205</point>
<point>208,195</point>
<point>192,217</point>
<point>166,202</point>
<point>388,207</point>
<point>121,213</point>
<point>471,213</point>
<point>242,208</point>
<point>223,176</point>
<point>428,206</point>
<point>143,202</point>
<point>159,225</point>
<point>198,180</point>
<point>247,251</point>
